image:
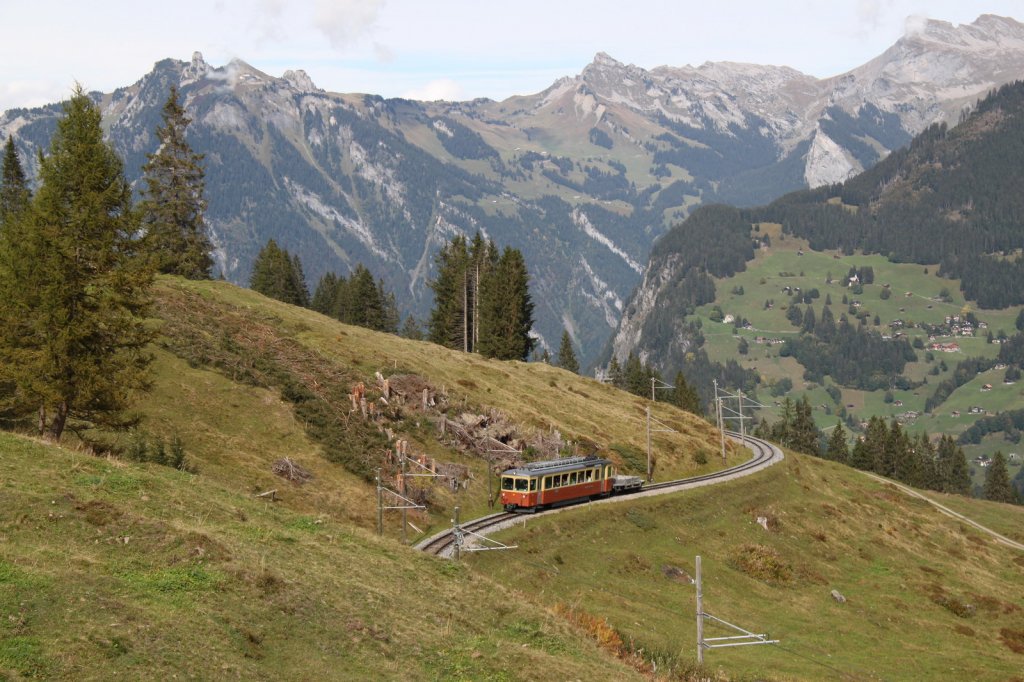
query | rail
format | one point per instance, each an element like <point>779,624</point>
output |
<point>765,454</point>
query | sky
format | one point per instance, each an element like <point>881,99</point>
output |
<point>442,49</point>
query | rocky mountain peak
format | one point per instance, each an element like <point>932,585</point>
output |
<point>196,69</point>
<point>300,80</point>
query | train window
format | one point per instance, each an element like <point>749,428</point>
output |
<point>533,485</point>
<point>547,483</point>
<point>556,481</point>
<point>521,484</point>
<point>565,479</point>
<point>589,475</point>
<point>572,478</point>
<point>506,483</point>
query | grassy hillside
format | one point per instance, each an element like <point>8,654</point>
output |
<point>927,597</point>
<point>112,570</point>
<point>230,361</point>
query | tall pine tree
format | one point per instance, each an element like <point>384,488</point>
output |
<point>14,191</point>
<point>566,355</point>
<point>685,397</point>
<point>274,275</point>
<point>74,286</point>
<point>449,318</point>
<point>997,481</point>
<point>506,309</point>
<point>174,205</point>
<point>838,450</point>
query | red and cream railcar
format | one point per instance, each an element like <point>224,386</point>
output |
<point>544,484</point>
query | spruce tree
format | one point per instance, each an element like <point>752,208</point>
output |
<point>74,287</point>
<point>411,329</point>
<point>174,205</point>
<point>448,325</point>
<point>838,450</point>
<point>14,191</point>
<point>952,467</point>
<point>805,435</point>
<point>273,275</point>
<point>323,296</point>
<point>299,282</point>
<point>366,308</point>
<point>928,473</point>
<point>997,482</point>
<point>876,438</point>
<point>685,397</point>
<point>566,356</point>
<point>506,309</point>
<point>861,456</point>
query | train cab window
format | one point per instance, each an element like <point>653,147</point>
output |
<point>533,485</point>
<point>521,485</point>
<point>507,483</point>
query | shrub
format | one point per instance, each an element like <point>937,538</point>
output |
<point>762,563</point>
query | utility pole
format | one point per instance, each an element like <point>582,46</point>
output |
<point>743,433</point>
<point>457,550</point>
<point>650,474</point>
<point>380,505</point>
<point>405,510</point>
<point>663,429</point>
<point>718,412</point>
<point>745,639</point>
<point>700,616</point>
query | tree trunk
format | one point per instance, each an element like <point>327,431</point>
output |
<point>59,420</point>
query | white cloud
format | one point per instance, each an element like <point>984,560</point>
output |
<point>443,88</point>
<point>345,22</point>
<point>916,24</point>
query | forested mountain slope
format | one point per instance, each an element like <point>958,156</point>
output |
<point>598,165</point>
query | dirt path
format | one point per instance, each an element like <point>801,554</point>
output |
<point>949,512</point>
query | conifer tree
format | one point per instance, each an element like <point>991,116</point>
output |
<point>861,456</point>
<point>73,285</point>
<point>506,309</point>
<point>952,466</point>
<point>411,329</point>
<point>838,450</point>
<point>174,205</point>
<point>685,397</point>
<point>615,376</point>
<point>805,435</point>
<point>566,355</point>
<point>324,295</point>
<point>299,282</point>
<point>273,275</point>
<point>924,453</point>
<point>997,482</point>
<point>448,319</point>
<point>876,437</point>
<point>14,191</point>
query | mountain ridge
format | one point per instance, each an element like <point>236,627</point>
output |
<point>597,165</point>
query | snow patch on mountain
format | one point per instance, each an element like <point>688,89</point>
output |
<point>583,222</point>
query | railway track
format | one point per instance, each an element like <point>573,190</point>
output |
<point>765,454</point>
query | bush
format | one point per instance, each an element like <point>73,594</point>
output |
<point>762,563</point>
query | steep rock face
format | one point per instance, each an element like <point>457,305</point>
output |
<point>582,177</point>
